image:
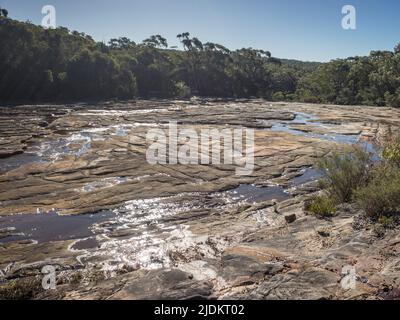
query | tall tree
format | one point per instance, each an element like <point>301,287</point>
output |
<point>3,13</point>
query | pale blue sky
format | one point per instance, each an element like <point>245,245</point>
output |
<point>299,29</point>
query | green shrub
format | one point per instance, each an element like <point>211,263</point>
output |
<point>278,96</point>
<point>381,197</point>
<point>391,152</point>
<point>345,172</point>
<point>379,230</point>
<point>20,289</point>
<point>393,100</point>
<point>182,90</point>
<point>321,206</point>
<point>387,222</point>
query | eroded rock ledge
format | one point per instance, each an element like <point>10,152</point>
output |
<point>180,232</point>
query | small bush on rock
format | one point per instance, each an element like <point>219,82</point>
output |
<point>391,152</point>
<point>381,197</point>
<point>20,289</point>
<point>182,90</point>
<point>387,222</point>
<point>354,176</point>
<point>345,172</point>
<point>321,206</point>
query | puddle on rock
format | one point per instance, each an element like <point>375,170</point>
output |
<point>254,194</point>
<point>51,226</point>
<point>16,161</point>
<point>144,234</point>
<point>138,237</point>
<point>54,149</point>
<point>308,175</point>
<point>302,118</point>
<point>103,184</point>
<point>85,244</point>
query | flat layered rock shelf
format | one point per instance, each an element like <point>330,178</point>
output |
<point>77,192</point>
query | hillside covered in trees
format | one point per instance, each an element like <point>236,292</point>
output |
<point>38,65</point>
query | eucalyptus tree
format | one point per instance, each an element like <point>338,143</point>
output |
<point>190,46</point>
<point>3,12</point>
<point>122,43</point>
<point>156,41</point>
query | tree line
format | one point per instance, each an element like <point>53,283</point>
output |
<point>38,65</point>
<point>370,80</point>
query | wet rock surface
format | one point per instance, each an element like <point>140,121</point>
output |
<point>77,192</point>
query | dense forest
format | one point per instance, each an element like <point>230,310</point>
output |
<point>38,64</point>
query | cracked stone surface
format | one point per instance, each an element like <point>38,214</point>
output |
<point>77,192</point>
